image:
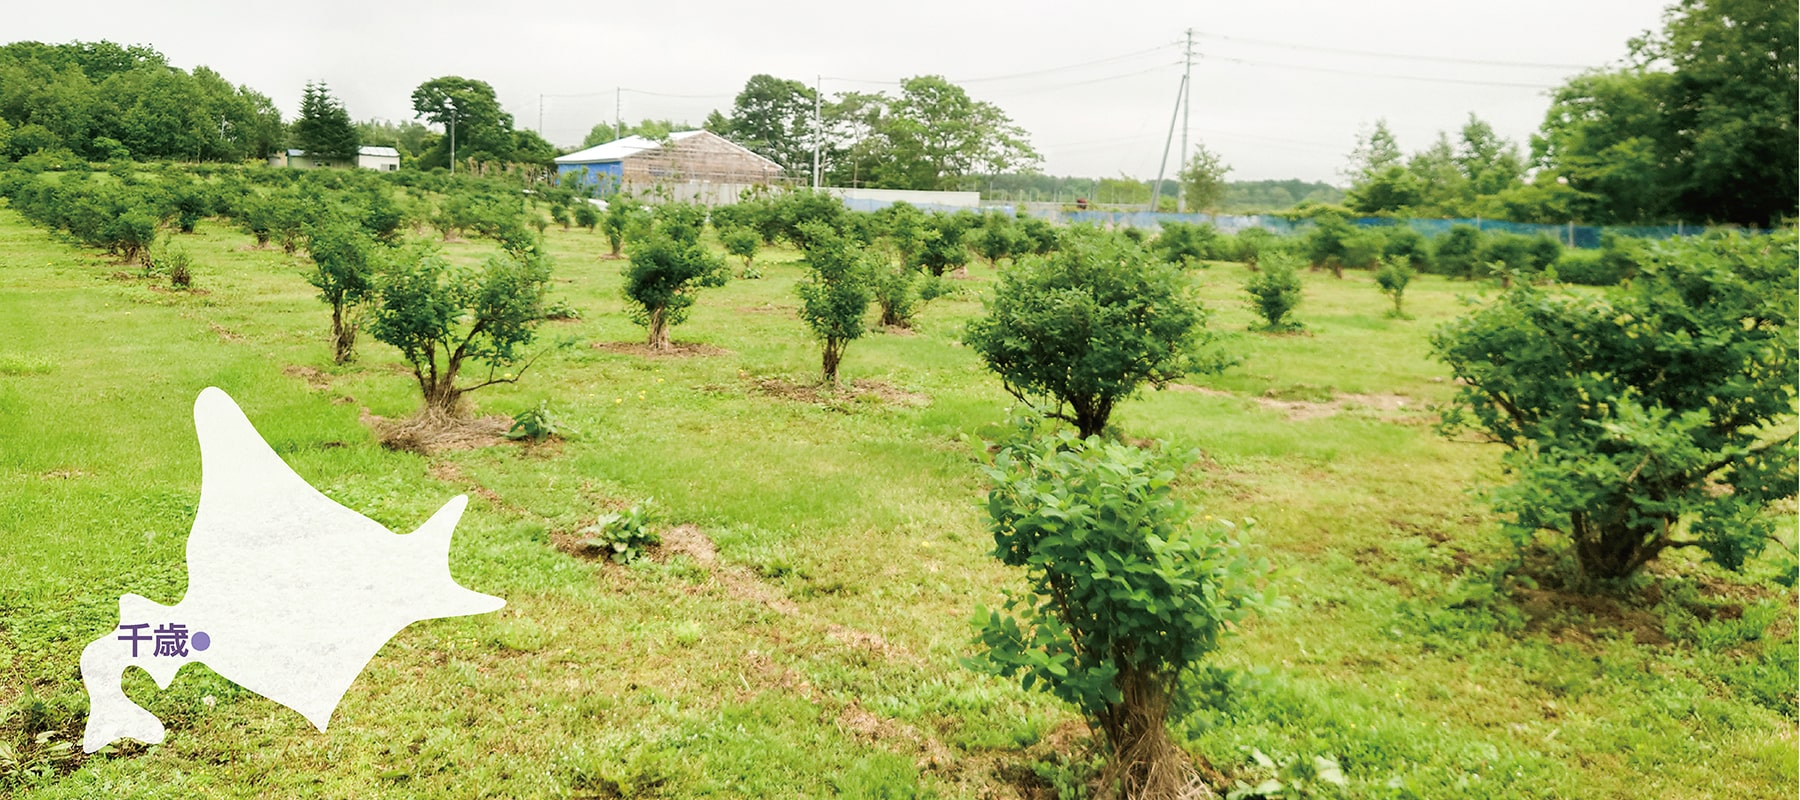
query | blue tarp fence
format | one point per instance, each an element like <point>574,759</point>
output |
<point>1585,236</point>
<point>1570,235</point>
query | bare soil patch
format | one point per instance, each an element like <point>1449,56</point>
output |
<point>316,379</point>
<point>843,397</point>
<point>449,472</point>
<point>225,334</point>
<point>929,753</point>
<point>770,308</point>
<point>687,540</point>
<point>1298,410</point>
<point>1549,610</point>
<point>429,433</point>
<point>738,582</point>
<point>675,349</point>
<point>194,291</point>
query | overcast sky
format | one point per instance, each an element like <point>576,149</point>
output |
<point>1280,88</point>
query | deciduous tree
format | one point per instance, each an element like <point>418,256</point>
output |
<point>482,131</point>
<point>773,117</point>
<point>1203,180</point>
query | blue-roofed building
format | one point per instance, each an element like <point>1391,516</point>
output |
<point>698,156</point>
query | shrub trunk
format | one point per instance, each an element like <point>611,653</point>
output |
<point>834,354</point>
<point>659,329</point>
<point>441,396</point>
<point>1608,547</point>
<point>1091,415</point>
<point>343,336</point>
<point>1144,763</point>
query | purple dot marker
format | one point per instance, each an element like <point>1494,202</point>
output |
<point>200,641</point>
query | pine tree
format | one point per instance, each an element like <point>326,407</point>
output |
<point>324,130</point>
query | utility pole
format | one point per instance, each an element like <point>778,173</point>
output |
<point>453,138</point>
<point>618,111</point>
<point>541,117</point>
<point>1187,108</point>
<point>818,125</point>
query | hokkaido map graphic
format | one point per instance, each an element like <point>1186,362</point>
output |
<point>289,593</point>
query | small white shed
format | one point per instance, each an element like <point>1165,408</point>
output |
<point>381,159</point>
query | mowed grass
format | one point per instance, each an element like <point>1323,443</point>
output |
<point>819,656</point>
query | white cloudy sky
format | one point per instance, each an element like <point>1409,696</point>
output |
<point>1281,88</point>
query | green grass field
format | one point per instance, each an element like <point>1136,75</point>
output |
<point>817,654</point>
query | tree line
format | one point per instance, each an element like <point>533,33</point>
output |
<point>930,135</point>
<point>1698,124</point>
<point>101,102</point>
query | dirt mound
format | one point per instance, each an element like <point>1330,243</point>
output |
<point>675,349</point>
<point>427,432</point>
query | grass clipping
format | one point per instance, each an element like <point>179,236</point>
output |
<point>431,431</point>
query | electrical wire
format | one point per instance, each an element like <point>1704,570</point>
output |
<point>679,96</point>
<point>629,90</point>
<point>1109,140</point>
<point>1128,142</point>
<point>1387,75</point>
<point>1272,141</point>
<point>1030,74</point>
<point>1161,68</point>
<point>1048,70</point>
<point>1395,56</point>
<point>858,80</point>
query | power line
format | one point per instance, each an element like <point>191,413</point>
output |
<point>680,96</point>
<point>1053,87</point>
<point>629,90</point>
<point>1272,141</point>
<point>858,80</point>
<point>1110,140</point>
<point>1048,70</point>
<point>1134,143</point>
<point>1388,75</point>
<point>1124,56</point>
<point>1394,56</point>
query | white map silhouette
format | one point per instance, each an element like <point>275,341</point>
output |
<point>289,594</point>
